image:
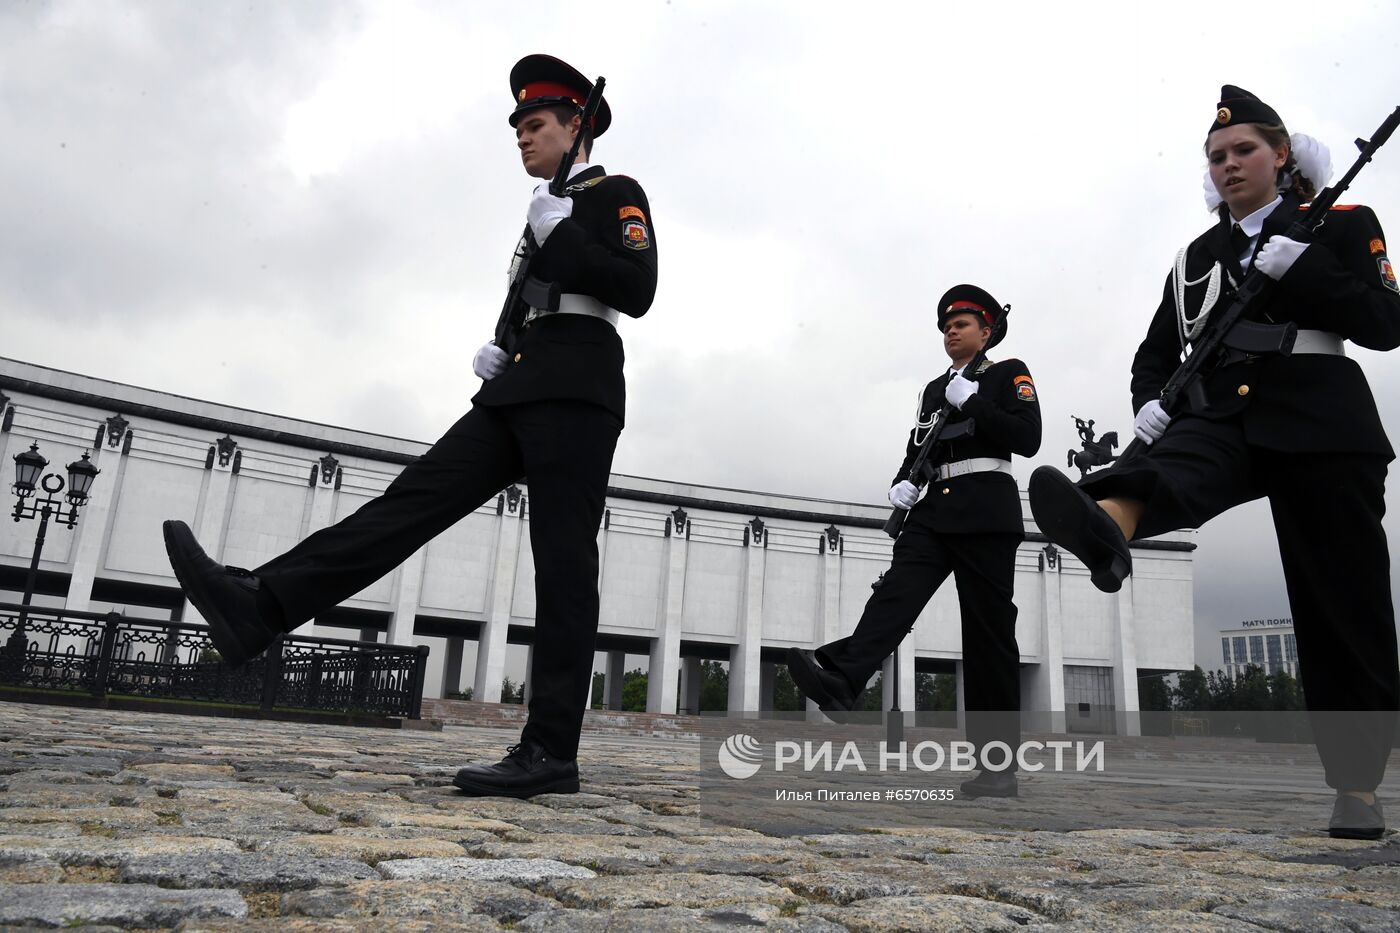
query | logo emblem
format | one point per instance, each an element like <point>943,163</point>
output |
<point>1377,247</point>
<point>1222,116</point>
<point>521,98</point>
<point>634,235</point>
<point>1387,274</point>
<point>740,756</point>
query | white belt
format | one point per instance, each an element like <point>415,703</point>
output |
<point>973,465</point>
<point>577,304</point>
<point>1319,341</point>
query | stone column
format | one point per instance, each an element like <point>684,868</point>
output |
<point>528,686</point>
<point>1125,686</point>
<point>691,678</point>
<point>92,527</point>
<point>613,679</point>
<point>962,696</point>
<point>491,644</point>
<point>211,520</point>
<point>743,665</point>
<point>1044,694</point>
<point>410,584</point>
<point>664,669</point>
<point>452,666</point>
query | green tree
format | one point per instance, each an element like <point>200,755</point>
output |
<point>1153,693</point>
<point>1285,692</point>
<point>634,691</point>
<point>714,686</point>
<point>1192,691</point>
<point>511,692</point>
<point>936,692</point>
<point>873,700</point>
<point>596,695</point>
<point>786,696</point>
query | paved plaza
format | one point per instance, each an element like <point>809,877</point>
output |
<point>119,820</point>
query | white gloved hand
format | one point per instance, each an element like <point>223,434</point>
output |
<point>903,495</point>
<point>546,211</point>
<point>1278,256</point>
<point>959,391</point>
<point>489,362</point>
<point>1151,422</point>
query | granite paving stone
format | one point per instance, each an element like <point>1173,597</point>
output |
<point>439,900</point>
<point>121,820</point>
<point>244,870</point>
<point>141,905</point>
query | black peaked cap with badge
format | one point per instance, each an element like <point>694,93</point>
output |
<point>969,299</point>
<point>545,81</point>
<point>1238,106</point>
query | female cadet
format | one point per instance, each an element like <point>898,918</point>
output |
<point>1301,429</point>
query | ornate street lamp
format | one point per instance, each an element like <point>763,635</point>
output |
<point>28,467</point>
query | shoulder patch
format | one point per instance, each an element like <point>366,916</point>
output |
<point>634,235</point>
<point>631,211</point>
<point>1025,388</point>
<point>1387,272</point>
<point>1377,247</point>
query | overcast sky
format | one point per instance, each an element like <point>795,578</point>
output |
<point>308,209</point>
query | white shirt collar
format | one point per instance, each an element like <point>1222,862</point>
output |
<point>579,167</point>
<point>1252,224</point>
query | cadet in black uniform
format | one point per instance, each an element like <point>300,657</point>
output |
<point>549,412</point>
<point>1302,430</point>
<point>969,524</point>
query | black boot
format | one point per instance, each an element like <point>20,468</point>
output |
<point>829,689</point>
<point>227,597</point>
<point>1075,522</point>
<point>991,784</point>
<point>526,770</point>
<point>1354,818</point>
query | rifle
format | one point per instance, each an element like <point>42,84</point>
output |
<point>526,291</point>
<point>939,431</point>
<point>1232,333</point>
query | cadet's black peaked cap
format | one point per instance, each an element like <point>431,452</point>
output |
<point>969,299</point>
<point>1239,106</point>
<point>543,81</point>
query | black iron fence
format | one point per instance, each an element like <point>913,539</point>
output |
<point>111,653</point>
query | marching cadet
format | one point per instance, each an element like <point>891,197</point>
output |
<point>1301,429</point>
<point>551,410</point>
<point>969,524</point>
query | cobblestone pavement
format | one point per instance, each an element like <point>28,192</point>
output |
<point>114,820</point>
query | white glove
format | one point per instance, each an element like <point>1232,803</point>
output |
<point>959,391</point>
<point>546,211</point>
<point>1278,256</point>
<point>1151,422</point>
<point>903,495</point>
<point>489,362</point>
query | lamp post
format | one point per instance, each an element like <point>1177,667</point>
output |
<point>28,466</point>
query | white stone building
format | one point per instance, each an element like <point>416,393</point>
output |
<point>1268,644</point>
<point>687,572</point>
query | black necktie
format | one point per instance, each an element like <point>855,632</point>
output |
<point>1239,240</point>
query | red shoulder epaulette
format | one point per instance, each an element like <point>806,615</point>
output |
<point>1334,207</point>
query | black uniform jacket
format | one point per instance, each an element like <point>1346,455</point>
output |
<point>1342,283</point>
<point>1006,413</point>
<point>605,250</point>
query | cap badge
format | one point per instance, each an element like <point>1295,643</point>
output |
<point>1222,116</point>
<point>521,98</point>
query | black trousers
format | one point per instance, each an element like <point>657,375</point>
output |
<point>1327,510</point>
<point>565,449</point>
<point>984,568</point>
